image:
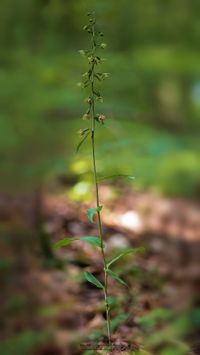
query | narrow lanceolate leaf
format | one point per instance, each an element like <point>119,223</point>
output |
<point>92,279</point>
<point>116,277</point>
<point>91,212</point>
<point>95,241</point>
<point>112,177</point>
<point>63,242</point>
<point>82,141</point>
<point>126,252</point>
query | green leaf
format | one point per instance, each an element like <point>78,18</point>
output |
<point>126,252</point>
<point>95,241</point>
<point>63,243</point>
<point>130,177</point>
<point>98,77</point>
<point>92,279</point>
<point>91,212</point>
<point>116,277</point>
<point>97,93</point>
<point>82,131</point>
<point>115,322</point>
<point>82,52</point>
<point>82,141</point>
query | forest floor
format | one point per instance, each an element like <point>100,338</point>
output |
<point>48,307</point>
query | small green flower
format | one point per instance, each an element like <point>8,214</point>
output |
<point>80,84</point>
<point>104,76</point>
<point>82,131</point>
<point>86,116</point>
<point>99,99</point>
<point>88,100</point>
<point>82,52</point>
<point>85,75</point>
<point>103,45</point>
<point>100,118</point>
<point>90,59</point>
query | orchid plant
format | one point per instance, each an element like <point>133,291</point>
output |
<point>89,81</point>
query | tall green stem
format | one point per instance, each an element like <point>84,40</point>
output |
<point>97,194</point>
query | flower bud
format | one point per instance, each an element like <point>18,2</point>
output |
<point>88,100</point>
<point>80,84</point>
<point>90,59</point>
<point>99,98</point>
<point>85,75</point>
<point>103,45</point>
<point>82,52</point>
<point>101,118</point>
<point>86,116</point>
<point>81,132</point>
<point>104,75</point>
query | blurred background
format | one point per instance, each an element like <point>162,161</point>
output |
<point>152,105</point>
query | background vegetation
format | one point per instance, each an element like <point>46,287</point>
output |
<point>152,99</point>
<point>152,105</point>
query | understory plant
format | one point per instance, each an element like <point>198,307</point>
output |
<point>90,81</point>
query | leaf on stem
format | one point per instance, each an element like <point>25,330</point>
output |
<point>95,241</point>
<point>92,279</point>
<point>97,93</point>
<point>91,212</point>
<point>63,242</point>
<point>82,131</point>
<point>82,141</point>
<point>130,177</point>
<point>98,77</point>
<point>126,252</point>
<point>116,277</point>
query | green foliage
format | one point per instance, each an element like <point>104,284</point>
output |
<point>84,133</point>
<point>126,252</point>
<point>154,60</point>
<point>16,304</point>
<point>155,81</point>
<point>91,212</point>
<point>89,80</point>
<point>166,330</point>
<point>116,277</point>
<point>63,242</point>
<point>112,301</point>
<point>92,279</point>
<point>117,176</point>
<point>120,318</point>
<point>94,241</point>
<point>149,321</point>
<point>23,343</point>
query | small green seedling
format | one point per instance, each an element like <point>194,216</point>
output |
<point>89,81</point>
